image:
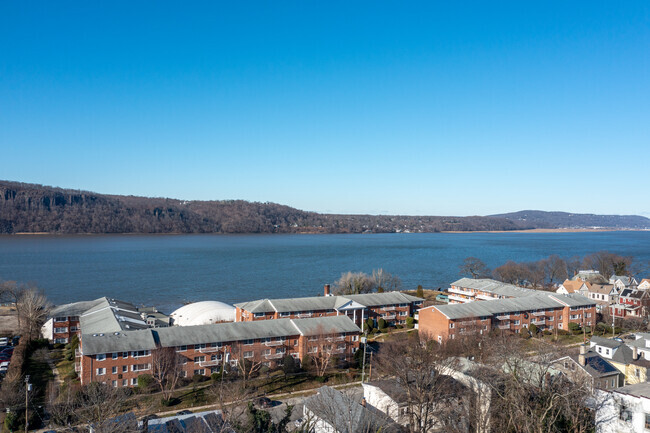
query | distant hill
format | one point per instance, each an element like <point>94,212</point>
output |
<point>31,208</point>
<point>554,220</point>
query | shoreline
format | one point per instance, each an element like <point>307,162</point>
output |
<point>561,230</point>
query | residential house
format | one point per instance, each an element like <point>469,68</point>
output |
<point>118,358</point>
<point>574,286</point>
<point>624,410</point>
<point>333,411</point>
<point>591,276</point>
<point>544,309</point>
<point>604,294</point>
<point>631,303</point>
<point>393,307</point>
<point>644,284</point>
<point>200,422</point>
<point>592,367</point>
<point>627,359</point>
<point>623,281</point>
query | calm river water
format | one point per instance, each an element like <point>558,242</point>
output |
<point>167,270</point>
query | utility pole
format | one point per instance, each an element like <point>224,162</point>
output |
<point>364,340</point>
<point>27,388</point>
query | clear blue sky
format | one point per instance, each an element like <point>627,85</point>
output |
<point>454,108</point>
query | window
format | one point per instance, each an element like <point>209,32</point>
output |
<point>451,325</point>
<point>134,381</point>
<point>125,368</point>
<point>279,350</point>
<point>647,421</point>
<point>139,353</point>
<point>516,322</point>
<point>60,330</point>
<point>114,370</point>
<point>559,325</point>
<point>61,340</point>
<point>285,314</point>
<point>625,414</point>
<point>199,346</point>
<point>551,318</point>
<point>266,352</point>
<point>139,367</point>
<point>258,315</point>
<point>248,354</point>
<point>600,349</point>
<point>402,313</point>
<point>125,355</point>
<point>101,356</point>
<point>115,355</point>
<point>74,328</point>
<point>61,319</point>
<point>101,371</point>
<point>115,384</point>
<point>125,382</point>
<point>248,342</point>
<point>313,349</point>
<point>181,348</point>
<point>199,358</point>
<point>200,371</point>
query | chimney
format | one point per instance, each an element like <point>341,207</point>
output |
<point>635,353</point>
<point>327,290</point>
<point>363,402</point>
<point>581,357</point>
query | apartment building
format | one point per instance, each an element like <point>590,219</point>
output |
<point>484,289</point>
<point>118,358</point>
<point>393,307</point>
<point>544,309</point>
<point>64,321</point>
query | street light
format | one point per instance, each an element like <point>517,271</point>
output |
<point>28,387</point>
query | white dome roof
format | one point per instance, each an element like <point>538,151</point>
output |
<point>203,313</point>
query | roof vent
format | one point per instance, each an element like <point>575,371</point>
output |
<point>101,335</point>
<point>95,335</point>
<point>117,333</point>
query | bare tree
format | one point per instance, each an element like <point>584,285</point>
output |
<point>32,307</point>
<point>608,263</point>
<point>512,273</point>
<point>555,269</point>
<point>249,362</point>
<point>385,281</point>
<point>474,267</point>
<point>166,370</point>
<point>352,283</point>
<point>320,349</point>
<point>99,405</point>
<point>232,399</point>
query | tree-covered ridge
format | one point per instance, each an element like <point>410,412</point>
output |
<point>32,208</point>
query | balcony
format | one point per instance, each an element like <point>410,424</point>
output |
<point>305,315</point>
<point>461,292</point>
<point>389,317</point>
<point>77,367</point>
<point>389,308</point>
<point>538,322</point>
<point>486,297</point>
<point>210,363</point>
<point>339,338</point>
<point>211,349</point>
<point>504,326</point>
<point>77,353</point>
<point>275,355</point>
<point>503,317</point>
<point>539,313</point>
<point>459,299</point>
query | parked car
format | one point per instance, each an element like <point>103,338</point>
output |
<point>184,412</point>
<point>265,402</point>
<point>4,341</point>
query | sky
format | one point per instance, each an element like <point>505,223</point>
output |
<point>421,108</point>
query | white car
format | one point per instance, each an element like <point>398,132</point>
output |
<point>4,341</point>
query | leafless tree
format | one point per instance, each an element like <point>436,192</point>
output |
<point>573,264</point>
<point>352,283</point>
<point>474,267</point>
<point>608,263</point>
<point>556,269</point>
<point>32,307</point>
<point>321,348</point>
<point>166,370</point>
<point>99,405</point>
<point>385,281</point>
<point>249,362</point>
<point>512,273</point>
<point>232,399</point>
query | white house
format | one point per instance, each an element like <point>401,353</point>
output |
<point>624,410</point>
<point>622,281</point>
<point>644,284</point>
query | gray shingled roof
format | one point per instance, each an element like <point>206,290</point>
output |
<point>238,331</point>
<point>638,390</point>
<point>92,344</point>
<point>540,300</point>
<point>605,342</point>
<point>493,286</point>
<point>75,308</point>
<point>314,303</point>
<point>110,315</point>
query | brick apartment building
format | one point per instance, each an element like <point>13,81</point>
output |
<point>484,289</point>
<point>546,310</point>
<point>118,358</point>
<point>393,307</point>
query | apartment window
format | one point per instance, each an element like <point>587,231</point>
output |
<point>354,338</point>
<point>101,356</point>
<point>218,345</point>
<point>559,325</point>
<point>516,322</point>
<point>115,384</point>
<point>285,314</point>
<point>61,319</point>
<point>266,352</point>
<point>451,325</point>
<point>248,354</point>
<point>587,315</point>
<point>248,342</point>
<point>115,355</point>
<point>139,353</point>
<point>74,328</point>
<point>125,382</point>
<point>551,318</point>
<point>181,348</point>
<point>114,370</point>
<point>402,313</point>
<point>199,346</point>
<point>279,350</point>
<point>200,371</point>
<point>134,381</point>
<point>139,367</point>
<point>313,349</point>
<point>647,421</point>
<point>101,371</point>
<point>61,340</point>
<point>125,355</point>
<point>60,330</point>
<point>258,315</point>
<point>125,368</point>
<point>199,358</point>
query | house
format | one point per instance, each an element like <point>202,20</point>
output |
<point>644,284</point>
<point>484,289</point>
<point>631,303</point>
<point>333,411</point>
<point>623,281</point>
<point>590,366</point>
<point>545,310</point>
<point>118,358</point>
<point>574,286</point>
<point>627,359</point>
<point>203,422</point>
<point>603,293</point>
<point>625,409</point>
<point>591,276</point>
<point>642,343</point>
<point>393,307</point>
<point>390,397</point>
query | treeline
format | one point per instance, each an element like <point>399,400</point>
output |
<point>35,208</point>
<point>548,272</point>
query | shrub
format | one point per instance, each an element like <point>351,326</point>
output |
<point>381,324</point>
<point>410,322</point>
<point>533,329</point>
<point>321,379</point>
<point>369,324</point>
<point>574,327</point>
<point>169,402</point>
<point>420,291</point>
<point>358,357</point>
<point>198,378</point>
<point>145,381</point>
<point>58,346</point>
<point>289,365</point>
<point>215,377</point>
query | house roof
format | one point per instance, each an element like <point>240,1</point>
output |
<point>637,390</point>
<point>590,275</point>
<point>595,365</point>
<point>75,308</point>
<point>111,315</point>
<point>494,287</point>
<point>92,344</point>
<point>315,303</point>
<point>622,278</point>
<point>574,285</point>
<point>604,289</point>
<point>205,422</point>
<point>605,342</point>
<point>634,294</point>
<point>392,388</point>
<point>541,300</point>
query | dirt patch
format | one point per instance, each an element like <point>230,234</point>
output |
<point>8,321</point>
